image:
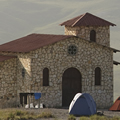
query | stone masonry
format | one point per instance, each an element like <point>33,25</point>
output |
<point>102,33</point>
<point>8,82</point>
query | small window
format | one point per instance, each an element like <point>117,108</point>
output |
<point>23,72</point>
<point>97,76</point>
<point>46,77</point>
<point>93,35</point>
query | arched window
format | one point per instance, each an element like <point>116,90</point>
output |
<point>23,72</point>
<point>93,35</point>
<point>97,76</point>
<point>45,77</point>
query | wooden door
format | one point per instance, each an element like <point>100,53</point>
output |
<point>71,85</point>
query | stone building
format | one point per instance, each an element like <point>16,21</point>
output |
<point>59,66</point>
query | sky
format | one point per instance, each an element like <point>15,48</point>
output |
<point>19,18</point>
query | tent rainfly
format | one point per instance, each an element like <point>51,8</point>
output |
<point>116,105</point>
<point>82,105</point>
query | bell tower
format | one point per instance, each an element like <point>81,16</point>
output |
<point>89,27</point>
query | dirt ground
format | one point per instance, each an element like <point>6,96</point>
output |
<point>62,114</point>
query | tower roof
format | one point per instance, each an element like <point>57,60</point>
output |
<point>87,19</point>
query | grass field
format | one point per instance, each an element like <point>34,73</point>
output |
<point>18,114</point>
<point>94,117</point>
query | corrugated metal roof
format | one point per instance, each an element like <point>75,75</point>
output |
<point>87,19</point>
<point>4,57</point>
<point>31,42</point>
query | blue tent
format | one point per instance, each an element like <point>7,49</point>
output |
<point>82,105</point>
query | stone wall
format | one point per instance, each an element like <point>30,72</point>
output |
<point>11,70</point>
<point>8,83</point>
<point>24,82</point>
<point>102,33</point>
<point>23,61</point>
<point>56,58</point>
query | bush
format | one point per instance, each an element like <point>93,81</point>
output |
<point>97,117</point>
<point>115,118</point>
<point>19,113</point>
<point>84,118</point>
<point>71,117</point>
<point>11,116</point>
<point>45,115</point>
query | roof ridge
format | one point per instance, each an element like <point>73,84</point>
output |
<point>71,19</point>
<point>47,34</point>
<point>101,19</point>
<point>79,19</point>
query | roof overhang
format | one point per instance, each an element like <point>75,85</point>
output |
<point>116,63</point>
<point>6,57</point>
<point>115,50</point>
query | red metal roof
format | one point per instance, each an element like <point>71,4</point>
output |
<point>3,57</point>
<point>87,19</point>
<point>32,42</point>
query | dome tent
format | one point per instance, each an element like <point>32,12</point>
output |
<point>116,105</point>
<point>82,104</point>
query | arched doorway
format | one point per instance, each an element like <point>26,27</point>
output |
<point>71,84</point>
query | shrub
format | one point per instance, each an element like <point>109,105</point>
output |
<point>84,118</point>
<point>97,117</point>
<point>11,116</point>
<point>71,117</point>
<point>45,115</point>
<point>115,118</point>
<point>19,113</point>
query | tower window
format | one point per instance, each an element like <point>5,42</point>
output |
<point>97,76</point>
<point>46,77</point>
<point>93,35</point>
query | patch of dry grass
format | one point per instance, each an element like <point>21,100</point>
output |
<point>14,114</point>
<point>45,115</point>
<point>22,114</point>
<point>97,117</point>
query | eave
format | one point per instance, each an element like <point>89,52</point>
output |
<point>116,63</point>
